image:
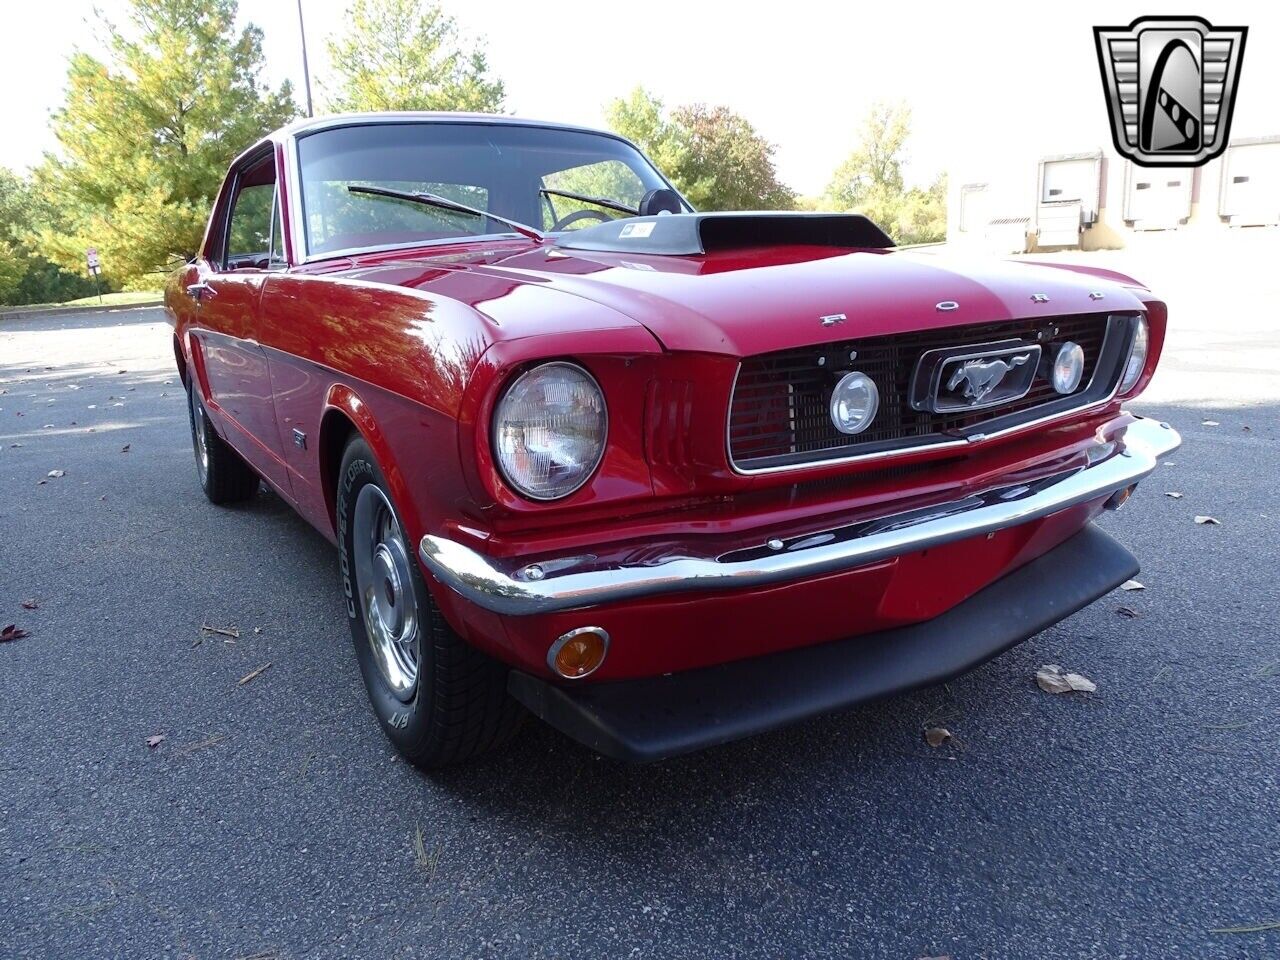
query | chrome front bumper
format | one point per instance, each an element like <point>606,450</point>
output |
<point>529,587</point>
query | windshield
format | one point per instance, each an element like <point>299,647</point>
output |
<point>514,171</point>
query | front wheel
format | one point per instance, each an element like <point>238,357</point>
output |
<point>224,476</point>
<point>438,699</point>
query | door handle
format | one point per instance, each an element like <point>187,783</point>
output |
<point>199,292</point>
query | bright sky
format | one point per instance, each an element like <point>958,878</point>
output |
<point>803,72</point>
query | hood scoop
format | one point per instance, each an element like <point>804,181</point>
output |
<point>692,234</point>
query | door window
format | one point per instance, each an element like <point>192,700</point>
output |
<point>249,233</point>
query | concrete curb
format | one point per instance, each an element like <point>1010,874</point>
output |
<point>66,311</point>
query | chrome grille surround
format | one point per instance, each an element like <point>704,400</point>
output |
<point>777,410</point>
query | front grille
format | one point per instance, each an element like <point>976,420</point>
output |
<point>779,414</point>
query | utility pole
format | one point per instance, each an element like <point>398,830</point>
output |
<point>306,71</point>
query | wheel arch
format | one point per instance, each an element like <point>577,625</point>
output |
<point>345,416</point>
<point>180,358</point>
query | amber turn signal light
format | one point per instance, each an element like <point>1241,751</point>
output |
<point>1120,497</point>
<point>578,653</point>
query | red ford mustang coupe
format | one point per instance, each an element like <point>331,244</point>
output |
<point>662,478</point>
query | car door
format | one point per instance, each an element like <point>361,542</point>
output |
<point>228,290</point>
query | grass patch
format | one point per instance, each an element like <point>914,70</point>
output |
<point>123,299</point>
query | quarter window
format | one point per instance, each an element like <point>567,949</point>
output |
<point>249,242</point>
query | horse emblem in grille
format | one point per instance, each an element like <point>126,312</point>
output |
<point>1170,84</point>
<point>980,377</point>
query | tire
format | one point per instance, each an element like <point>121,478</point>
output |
<point>439,699</point>
<point>224,476</point>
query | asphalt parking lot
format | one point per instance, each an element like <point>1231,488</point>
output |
<point>274,820</point>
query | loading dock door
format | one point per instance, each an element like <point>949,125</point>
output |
<point>1251,184</point>
<point>1158,199</point>
<point>1069,194</point>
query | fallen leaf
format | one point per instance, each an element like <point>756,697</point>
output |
<point>1209,423</point>
<point>231,632</point>
<point>253,674</point>
<point>1052,680</point>
<point>937,736</point>
<point>31,604</point>
<point>1208,521</point>
<point>155,741</point>
<point>1128,613</point>
<point>12,632</point>
<point>125,448</point>
<point>1173,494</point>
<point>1132,585</point>
<point>56,474</point>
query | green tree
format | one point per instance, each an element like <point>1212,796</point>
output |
<point>145,138</point>
<point>714,156</point>
<point>870,181</point>
<point>25,275</point>
<point>408,55</point>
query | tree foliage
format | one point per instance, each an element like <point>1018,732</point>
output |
<point>146,137</point>
<point>408,55</point>
<point>25,275</point>
<point>870,181</point>
<point>714,156</point>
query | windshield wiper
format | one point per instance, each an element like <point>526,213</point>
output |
<point>598,201</point>
<point>434,200</point>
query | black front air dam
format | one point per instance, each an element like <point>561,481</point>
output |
<point>658,717</point>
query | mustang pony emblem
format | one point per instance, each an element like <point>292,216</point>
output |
<point>980,377</point>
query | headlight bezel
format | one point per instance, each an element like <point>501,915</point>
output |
<point>1139,351</point>
<point>497,421</point>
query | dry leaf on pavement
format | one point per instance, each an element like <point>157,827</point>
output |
<point>31,604</point>
<point>12,632</point>
<point>1209,521</point>
<point>56,473</point>
<point>937,736</point>
<point>1053,680</point>
<point>1128,613</point>
<point>155,741</point>
<point>1132,585</point>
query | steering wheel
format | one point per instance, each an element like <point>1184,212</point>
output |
<point>571,218</point>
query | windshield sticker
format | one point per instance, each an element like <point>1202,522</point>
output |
<point>637,230</point>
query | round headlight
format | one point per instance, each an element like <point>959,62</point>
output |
<point>854,402</point>
<point>549,430</point>
<point>1137,357</point>
<point>1068,367</point>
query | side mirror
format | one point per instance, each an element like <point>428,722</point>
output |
<point>659,201</point>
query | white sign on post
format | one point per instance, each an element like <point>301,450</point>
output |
<point>91,255</point>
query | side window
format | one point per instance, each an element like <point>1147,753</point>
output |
<point>249,228</point>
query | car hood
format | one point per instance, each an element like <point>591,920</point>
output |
<point>759,300</point>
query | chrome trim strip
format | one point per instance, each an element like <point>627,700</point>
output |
<point>917,448</point>
<point>1113,464</point>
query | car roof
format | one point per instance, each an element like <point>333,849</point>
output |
<point>311,124</point>
<point>332,120</point>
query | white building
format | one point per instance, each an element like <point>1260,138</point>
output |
<point>1032,198</point>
